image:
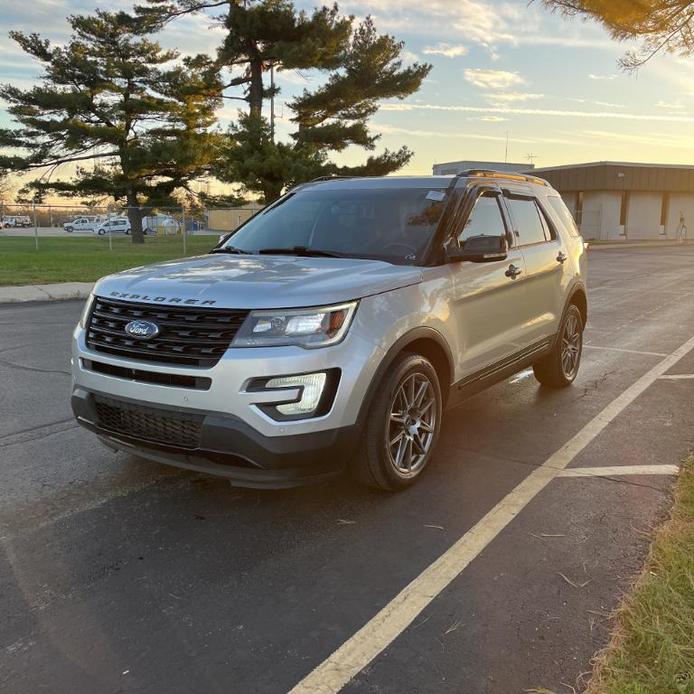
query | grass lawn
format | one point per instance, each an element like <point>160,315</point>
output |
<point>86,259</point>
<point>652,650</point>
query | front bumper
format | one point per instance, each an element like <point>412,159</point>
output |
<point>230,448</point>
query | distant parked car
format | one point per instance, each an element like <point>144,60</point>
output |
<point>81,224</point>
<point>16,221</point>
<point>115,225</point>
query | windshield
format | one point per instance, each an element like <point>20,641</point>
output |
<point>388,224</point>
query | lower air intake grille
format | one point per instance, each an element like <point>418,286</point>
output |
<point>148,423</point>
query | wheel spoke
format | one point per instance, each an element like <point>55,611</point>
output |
<point>425,408</point>
<point>397,438</point>
<point>401,451</point>
<point>423,388</point>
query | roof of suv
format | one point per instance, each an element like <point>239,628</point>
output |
<point>419,181</point>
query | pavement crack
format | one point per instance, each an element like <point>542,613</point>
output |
<point>34,369</point>
<point>39,427</point>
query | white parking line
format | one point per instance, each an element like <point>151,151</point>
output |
<point>627,351</point>
<point>677,377</point>
<point>382,629</point>
<point>619,470</point>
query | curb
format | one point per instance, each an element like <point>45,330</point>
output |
<point>593,246</point>
<point>45,292</point>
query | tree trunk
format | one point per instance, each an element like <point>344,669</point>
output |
<point>271,191</point>
<point>255,89</point>
<point>135,218</point>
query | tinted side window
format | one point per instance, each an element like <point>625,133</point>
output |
<point>529,225</point>
<point>485,219</point>
<point>564,215</point>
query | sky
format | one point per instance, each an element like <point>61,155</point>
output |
<point>551,84</point>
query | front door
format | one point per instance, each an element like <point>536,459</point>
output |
<point>488,296</point>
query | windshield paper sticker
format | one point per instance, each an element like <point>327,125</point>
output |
<point>437,195</point>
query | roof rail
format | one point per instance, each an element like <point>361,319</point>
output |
<point>490,173</point>
<point>330,177</point>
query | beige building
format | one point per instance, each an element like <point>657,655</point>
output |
<point>620,201</point>
<point>230,218</point>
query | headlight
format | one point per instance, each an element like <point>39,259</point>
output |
<point>86,311</point>
<point>306,327</point>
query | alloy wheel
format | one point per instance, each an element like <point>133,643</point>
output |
<point>411,427</point>
<point>571,346</point>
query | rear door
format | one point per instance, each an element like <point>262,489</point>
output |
<point>545,254</point>
<point>487,298</point>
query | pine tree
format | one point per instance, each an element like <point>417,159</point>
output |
<point>360,68</point>
<point>662,25</point>
<point>111,97</point>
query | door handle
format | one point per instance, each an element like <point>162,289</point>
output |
<point>561,257</point>
<point>513,271</point>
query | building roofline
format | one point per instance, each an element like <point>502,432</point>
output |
<point>611,163</point>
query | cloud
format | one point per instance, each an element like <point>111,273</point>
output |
<point>492,79</point>
<point>446,50</point>
<point>602,77</point>
<point>647,139</point>
<point>670,105</point>
<point>492,119</point>
<point>386,129</point>
<point>512,97</point>
<point>561,113</point>
<point>606,104</point>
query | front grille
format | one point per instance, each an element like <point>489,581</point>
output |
<point>187,335</point>
<point>148,423</point>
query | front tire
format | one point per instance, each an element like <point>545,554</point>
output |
<point>403,425</point>
<point>560,367</point>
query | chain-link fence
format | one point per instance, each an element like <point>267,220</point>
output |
<point>170,226</point>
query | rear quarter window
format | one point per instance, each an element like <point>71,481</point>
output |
<point>562,212</point>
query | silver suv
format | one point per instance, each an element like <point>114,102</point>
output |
<point>334,328</point>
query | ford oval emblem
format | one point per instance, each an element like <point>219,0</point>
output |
<point>142,329</point>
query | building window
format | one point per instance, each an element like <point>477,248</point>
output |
<point>664,209</point>
<point>623,209</point>
<point>579,208</point>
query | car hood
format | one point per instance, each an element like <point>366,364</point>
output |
<point>255,281</point>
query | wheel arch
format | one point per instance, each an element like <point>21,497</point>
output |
<point>579,298</point>
<point>425,341</point>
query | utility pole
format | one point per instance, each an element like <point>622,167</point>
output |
<point>531,157</point>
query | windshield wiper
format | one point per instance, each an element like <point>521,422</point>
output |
<point>300,251</point>
<point>231,249</point>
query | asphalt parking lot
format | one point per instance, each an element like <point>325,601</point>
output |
<point>496,573</point>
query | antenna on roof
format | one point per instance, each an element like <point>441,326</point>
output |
<point>531,158</point>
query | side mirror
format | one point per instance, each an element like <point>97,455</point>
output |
<point>479,249</point>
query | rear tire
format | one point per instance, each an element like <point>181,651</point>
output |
<point>560,367</point>
<point>101,232</point>
<point>402,426</point>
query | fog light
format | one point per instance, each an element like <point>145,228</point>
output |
<point>296,396</point>
<point>311,386</point>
